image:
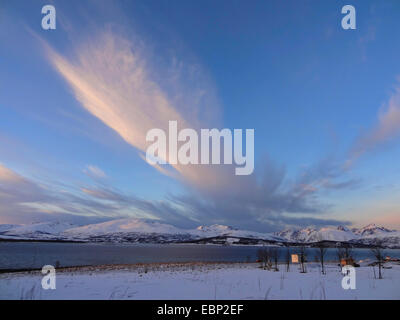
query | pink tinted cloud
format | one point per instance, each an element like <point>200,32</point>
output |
<point>386,129</point>
<point>112,80</point>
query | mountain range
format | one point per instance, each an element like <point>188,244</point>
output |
<point>151,231</point>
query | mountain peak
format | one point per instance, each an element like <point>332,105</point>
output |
<point>372,229</point>
<point>215,227</point>
<point>133,225</point>
<point>369,226</point>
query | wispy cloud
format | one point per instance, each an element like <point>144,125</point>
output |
<point>7,175</point>
<point>94,172</point>
<point>113,81</point>
<point>24,200</point>
<point>386,129</point>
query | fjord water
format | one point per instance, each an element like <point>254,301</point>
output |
<point>33,255</point>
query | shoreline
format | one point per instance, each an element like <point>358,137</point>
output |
<point>126,267</point>
<point>160,266</point>
<point>331,244</point>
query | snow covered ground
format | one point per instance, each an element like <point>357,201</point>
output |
<point>201,281</point>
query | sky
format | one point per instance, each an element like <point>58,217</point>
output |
<point>76,104</point>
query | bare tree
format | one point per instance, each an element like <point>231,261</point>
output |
<point>321,253</point>
<point>303,257</point>
<point>261,257</point>
<point>264,255</point>
<point>348,252</point>
<point>379,255</point>
<point>287,258</point>
<point>322,249</point>
<point>275,257</point>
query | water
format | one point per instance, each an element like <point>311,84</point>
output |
<point>26,255</point>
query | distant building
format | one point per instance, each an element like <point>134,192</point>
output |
<point>295,258</point>
<point>392,259</point>
<point>347,262</point>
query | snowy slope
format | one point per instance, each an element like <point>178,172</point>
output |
<point>375,235</point>
<point>296,235</point>
<point>310,234</point>
<point>122,229</point>
<point>331,233</point>
<point>372,230</point>
<point>221,230</point>
<point>200,281</point>
<point>38,229</point>
<point>151,231</point>
<point>6,227</point>
<point>128,230</point>
<point>368,235</point>
<point>125,226</point>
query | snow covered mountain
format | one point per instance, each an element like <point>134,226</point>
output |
<point>372,235</point>
<point>150,231</point>
<point>372,230</point>
<point>139,230</point>
<point>125,226</point>
<point>6,227</point>
<point>221,230</point>
<point>311,234</point>
<point>128,230</point>
<point>42,230</point>
<point>368,235</point>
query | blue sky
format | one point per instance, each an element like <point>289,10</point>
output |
<point>324,103</point>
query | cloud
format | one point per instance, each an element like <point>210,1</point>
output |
<point>6,175</point>
<point>94,172</point>
<point>386,130</point>
<point>14,187</point>
<point>15,192</point>
<point>111,82</point>
<point>327,174</point>
<point>267,200</point>
<point>264,205</point>
<point>115,81</point>
<point>119,81</point>
<point>264,201</point>
<point>24,200</point>
<point>163,210</point>
<point>261,211</point>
